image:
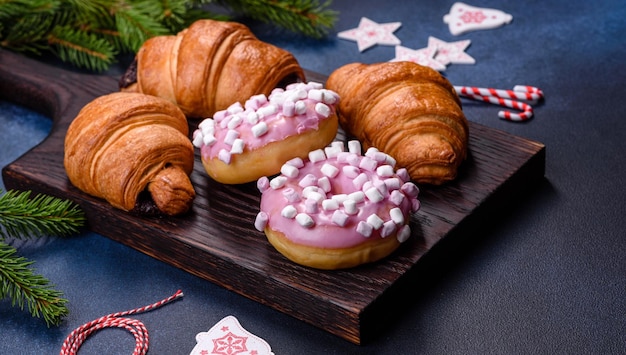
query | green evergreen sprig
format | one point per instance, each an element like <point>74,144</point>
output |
<point>20,283</point>
<point>91,34</point>
<point>24,217</point>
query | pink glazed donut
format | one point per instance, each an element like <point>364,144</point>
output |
<point>245,142</point>
<point>339,208</point>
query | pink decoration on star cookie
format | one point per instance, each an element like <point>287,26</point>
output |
<point>423,56</point>
<point>228,337</point>
<point>463,18</point>
<point>451,52</point>
<point>370,33</point>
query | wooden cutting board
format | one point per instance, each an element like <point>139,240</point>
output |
<point>217,240</point>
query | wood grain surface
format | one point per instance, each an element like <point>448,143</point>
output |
<point>217,240</point>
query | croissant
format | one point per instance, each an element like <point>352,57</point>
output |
<point>122,144</point>
<point>409,111</point>
<point>209,66</point>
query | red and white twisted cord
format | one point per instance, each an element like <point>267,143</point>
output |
<point>118,320</point>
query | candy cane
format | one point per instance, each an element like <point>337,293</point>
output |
<point>505,98</point>
<point>76,338</point>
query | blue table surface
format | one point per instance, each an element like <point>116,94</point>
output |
<point>545,275</point>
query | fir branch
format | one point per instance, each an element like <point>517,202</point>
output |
<point>76,30</point>
<point>75,46</point>
<point>308,17</point>
<point>23,217</point>
<point>19,283</point>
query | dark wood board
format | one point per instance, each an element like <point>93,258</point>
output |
<point>217,240</point>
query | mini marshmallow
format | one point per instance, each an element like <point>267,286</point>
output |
<point>206,123</point>
<point>330,97</point>
<point>289,171</point>
<point>332,152</point>
<point>375,221</point>
<point>410,189</point>
<point>330,204</point>
<point>289,212</point>
<point>259,129</point>
<point>237,147</point>
<point>339,218</point>
<point>350,171</point>
<point>252,118</point>
<point>291,195</point>
<point>234,122</point>
<point>368,164</point>
<point>309,189</point>
<point>308,180</point>
<point>278,182</point>
<point>314,85</point>
<point>353,159</point>
<point>329,170</point>
<point>360,180</point>
<point>219,115</point>
<point>224,156</point>
<point>388,228</point>
<point>267,110</point>
<point>342,157</point>
<point>209,140</point>
<point>297,162</point>
<point>316,196</point>
<point>235,108</point>
<point>404,233</point>
<point>289,108</point>
<point>315,94</point>
<point>354,146</point>
<point>403,174</point>
<point>384,171</point>
<point>349,206</point>
<point>380,185</point>
<point>324,184</point>
<point>415,205</point>
<point>231,135</point>
<point>340,198</point>
<point>396,197</point>
<point>198,139</point>
<point>260,222</point>
<point>364,229</point>
<point>310,206</point>
<point>396,215</point>
<point>322,109</point>
<point>263,183</point>
<point>357,196</point>
<point>300,108</point>
<point>374,195</point>
<point>305,220</point>
<point>317,155</point>
<point>393,183</point>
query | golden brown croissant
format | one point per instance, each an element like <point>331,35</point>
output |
<point>409,111</point>
<point>121,144</point>
<point>211,65</point>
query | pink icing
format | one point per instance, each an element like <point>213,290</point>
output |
<point>261,120</point>
<point>362,202</point>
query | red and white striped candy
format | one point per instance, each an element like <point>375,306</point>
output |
<point>505,98</point>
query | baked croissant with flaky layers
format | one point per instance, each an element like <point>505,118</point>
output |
<point>121,145</point>
<point>208,66</point>
<point>409,111</point>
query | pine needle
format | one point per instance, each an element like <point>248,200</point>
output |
<point>19,283</point>
<point>24,217</point>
